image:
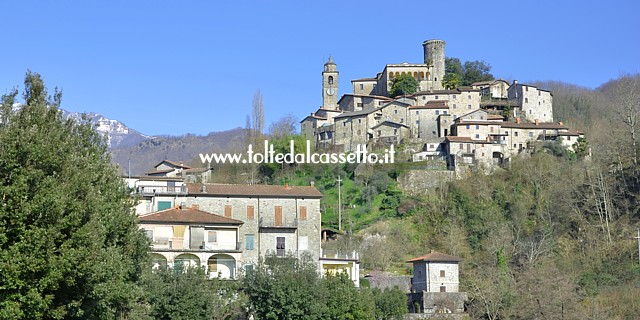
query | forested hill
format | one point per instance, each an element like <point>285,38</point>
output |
<point>551,237</point>
<point>185,148</point>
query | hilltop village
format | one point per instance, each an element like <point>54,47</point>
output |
<point>483,125</point>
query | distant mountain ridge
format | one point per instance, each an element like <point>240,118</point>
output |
<point>117,133</point>
<point>137,153</point>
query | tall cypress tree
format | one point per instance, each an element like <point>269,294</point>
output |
<point>70,247</point>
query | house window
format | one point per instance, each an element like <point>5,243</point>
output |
<point>379,133</point>
<point>280,247</point>
<point>526,88</point>
<point>530,134</point>
<point>164,205</point>
<point>395,111</point>
<point>361,86</point>
<point>436,97</point>
<point>515,133</point>
<point>568,138</point>
<point>359,120</point>
<point>401,120</point>
<point>417,112</point>
<point>526,100</point>
<point>444,112</point>
<point>468,106</point>
<point>249,241</point>
<point>441,273</point>
<point>454,105</point>
<point>454,97</point>
<point>360,105</point>
<point>303,213</point>
<point>467,126</point>
<point>344,123</point>
<point>477,136</point>
<point>227,211</point>
<point>212,236</point>
<point>250,212</point>
<point>469,97</point>
<point>395,131</point>
<point>424,98</point>
<point>437,112</point>
<point>443,288</point>
<point>477,126</point>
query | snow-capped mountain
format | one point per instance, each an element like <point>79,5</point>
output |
<point>117,133</point>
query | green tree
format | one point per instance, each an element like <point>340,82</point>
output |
<point>403,84</point>
<point>289,288</point>
<point>475,71</point>
<point>70,246</point>
<point>192,295</point>
<point>459,74</point>
<point>390,303</point>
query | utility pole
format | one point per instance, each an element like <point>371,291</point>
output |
<point>339,206</point>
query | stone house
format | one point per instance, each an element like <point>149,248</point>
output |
<point>192,237</point>
<point>435,272</point>
<point>167,168</point>
<point>492,89</point>
<point>535,104</point>
<point>389,132</point>
<point>278,220</point>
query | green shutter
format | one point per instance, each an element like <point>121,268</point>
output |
<point>163,205</point>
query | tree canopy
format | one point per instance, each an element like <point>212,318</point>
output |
<point>459,74</point>
<point>403,84</point>
<point>70,247</point>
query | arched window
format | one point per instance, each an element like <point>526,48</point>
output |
<point>330,80</point>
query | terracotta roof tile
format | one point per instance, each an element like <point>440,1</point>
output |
<point>433,104</point>
<point>436,256</point>
<point>256,190</point>
<point>190,215</point>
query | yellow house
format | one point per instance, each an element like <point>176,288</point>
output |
<point>333,262</point>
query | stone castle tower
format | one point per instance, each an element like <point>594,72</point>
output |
<point>434,57</point>
<point>330,86</point>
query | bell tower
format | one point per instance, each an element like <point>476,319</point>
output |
<point>330,85</point>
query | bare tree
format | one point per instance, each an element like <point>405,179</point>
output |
<point>258,113</point>
<point>625,93</point>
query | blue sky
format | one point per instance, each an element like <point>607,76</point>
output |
<point>177,67</point>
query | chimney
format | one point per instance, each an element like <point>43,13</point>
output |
<point>537,122</point>
<point>560,123</point>
<point>312,183</point>
<point>515,82</point>
<point>286,185</point>
<point>518,120</point>
<point>204,188</point>
<point>195,206</point>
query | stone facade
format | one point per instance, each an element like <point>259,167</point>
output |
<point>278,220</point>
<point>535,104</point>
<point>479,120</point>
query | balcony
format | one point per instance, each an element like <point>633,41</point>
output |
<point>160,190</point>
<point>272,223</point>
<point>338,255</point>
<point>177,244</point>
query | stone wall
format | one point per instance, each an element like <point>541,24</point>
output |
<point>416,182</point>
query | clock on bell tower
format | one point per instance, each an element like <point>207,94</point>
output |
<point>330,86</point>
